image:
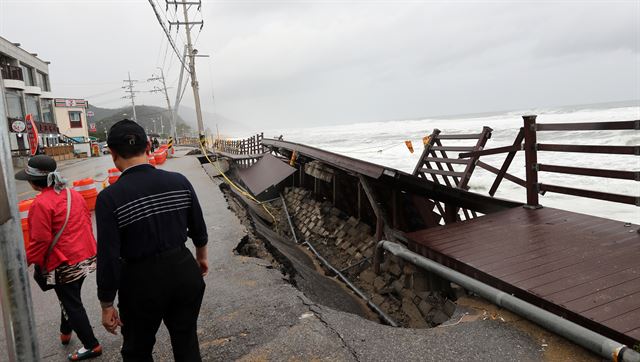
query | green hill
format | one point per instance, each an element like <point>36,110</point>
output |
<point>104,118</point>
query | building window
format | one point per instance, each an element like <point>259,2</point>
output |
<point>47,110</point>
<point>27,74</point>
<point>43,82</point>
<point>14,104</point>
<point>75,119</point>
<point>32,107</point>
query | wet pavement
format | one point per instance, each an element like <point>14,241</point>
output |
<point>250,312</point>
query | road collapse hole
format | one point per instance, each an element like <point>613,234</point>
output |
<point>412,297</point>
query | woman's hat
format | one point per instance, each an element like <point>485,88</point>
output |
<point>38,168</point>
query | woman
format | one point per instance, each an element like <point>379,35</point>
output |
<point>74,255</point>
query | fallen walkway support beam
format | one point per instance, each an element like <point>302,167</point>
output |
<point>603,346</point>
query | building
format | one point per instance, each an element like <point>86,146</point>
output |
<point>71,117</point>
<point>25,78</point>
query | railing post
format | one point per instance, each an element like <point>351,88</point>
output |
<point>531,161</point>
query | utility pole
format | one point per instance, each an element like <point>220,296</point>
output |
<point>179,93</point>
<point>166,96</point>
<point>132,94</point>
<point>192,56</point>
<point>15,293</point>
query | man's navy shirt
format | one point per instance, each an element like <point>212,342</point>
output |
<point>146,212</point>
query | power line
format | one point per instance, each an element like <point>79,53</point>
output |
<point>192,54</point>
<point>164,28</point>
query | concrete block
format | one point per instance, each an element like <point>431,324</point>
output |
<point>408,269</point>
<point>424,308</point>
<point>436,316</point>
<point>368,276</point>
<point>395,269</point>
<point>457,291</point>
<point>379,283</point>
<point>377,299</point>
<point>449,307</point>
<point>415,317</point>
<point>398,286</point>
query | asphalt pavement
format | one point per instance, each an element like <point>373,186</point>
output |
<point>250,312</point>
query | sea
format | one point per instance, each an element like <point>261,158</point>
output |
<point>383,143</point>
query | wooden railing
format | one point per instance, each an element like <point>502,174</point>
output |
<point>249,146</point>
<point>531,148</point>
<point>528,134</point>
<point>436,164</point>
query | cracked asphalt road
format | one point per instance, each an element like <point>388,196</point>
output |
<point>251,313</point>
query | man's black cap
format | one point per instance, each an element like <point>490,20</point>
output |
<point>38,168</point>
<point>126,132</point>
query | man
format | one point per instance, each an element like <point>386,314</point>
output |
<point>143,221</point>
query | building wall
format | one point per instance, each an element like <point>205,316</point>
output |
<point>23,56</point>
<point>28,97</point>
<point>63,117</point>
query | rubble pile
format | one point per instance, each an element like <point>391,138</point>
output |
<point>413,297</point>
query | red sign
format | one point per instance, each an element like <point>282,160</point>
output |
<point>32,134</point>
<point>92,127</point>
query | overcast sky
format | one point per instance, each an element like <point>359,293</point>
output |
<point>286,63</point>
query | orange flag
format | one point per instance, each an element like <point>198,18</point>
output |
<point>409,146</point>
<point>425,140</point>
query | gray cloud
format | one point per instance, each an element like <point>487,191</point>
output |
<point>279,63</point>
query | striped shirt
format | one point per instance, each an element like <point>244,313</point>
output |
<point>146,212</point>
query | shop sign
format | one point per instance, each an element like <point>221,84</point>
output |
<point>32,134</point>
<point>18,126</point>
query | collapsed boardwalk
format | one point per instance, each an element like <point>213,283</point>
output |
<point>250,311</point>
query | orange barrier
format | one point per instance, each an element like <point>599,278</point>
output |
<point>23,208</point>
<point>114,174</point>
<point>88,190</point>
<point>152,160</point>
<point>160,156</point>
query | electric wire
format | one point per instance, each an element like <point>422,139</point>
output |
<point>238,188</point>
<point>166,31</point>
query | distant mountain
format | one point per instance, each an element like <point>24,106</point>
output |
<point>104,118</point>
<point>226,126</point>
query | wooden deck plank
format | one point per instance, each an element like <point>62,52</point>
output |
<point>594,285</point>
<point>535,248</point>
<point>596,264</point>
<point>582,267</point>
<point>604,296</point>
<point>513,238</point>
<point>618,307</point>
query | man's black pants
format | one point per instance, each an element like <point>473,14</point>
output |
<point>168,287</point>
<point>74,317</point>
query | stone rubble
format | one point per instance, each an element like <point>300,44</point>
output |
<point>411,296</point>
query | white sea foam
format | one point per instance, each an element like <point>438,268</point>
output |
<point>383,143</point>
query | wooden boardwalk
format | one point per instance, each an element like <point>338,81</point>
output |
<point>584,268</point>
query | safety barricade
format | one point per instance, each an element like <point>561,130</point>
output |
<point>114,174</point>
<point>88,190</point>
<point>23,208</point>
<point>160,156</point>
<point>152,160</point>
